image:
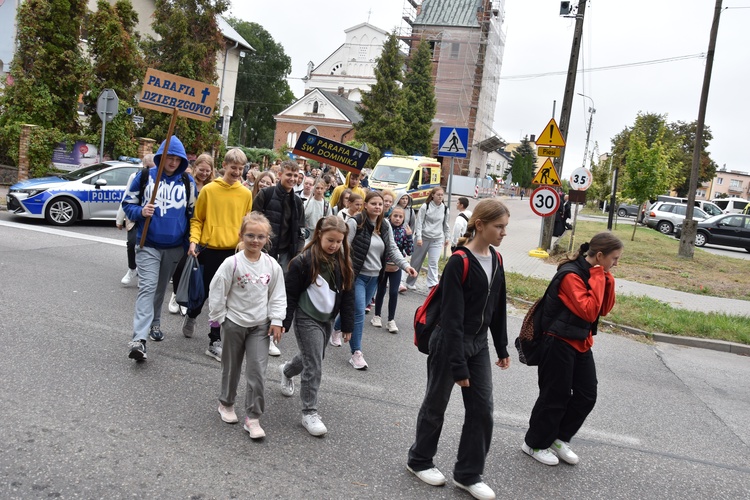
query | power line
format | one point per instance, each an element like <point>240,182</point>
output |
<point>701,55</point>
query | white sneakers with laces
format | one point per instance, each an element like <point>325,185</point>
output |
<point>127,280</point>
<point>335,340</point>
<point>391,325</point>
<point>563,452</point>
<point>478,490</point>
<point>314,424</point>
<point>376,321</point>
<point>272,349</point>
<point>252,426</point>
<point>287,383</point>
<point>431,476</point>
<point>174,307</point>
<point>544,456</point>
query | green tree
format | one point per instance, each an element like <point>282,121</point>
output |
<point>49,72</point>
<point>685,136</point>
<point>522,163</point>
<point>647,164</point>
<point>419,102</point>
<point>382,122</point>
<point>118,64</point>
<point>601,175</point>
<point>189,42</point>
<point>262,89</point>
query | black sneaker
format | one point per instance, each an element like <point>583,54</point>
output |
<point>137,350</point>
<point>155,334</point>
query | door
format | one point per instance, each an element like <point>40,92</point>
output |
<point>104,199</point>
<point>728,230</point>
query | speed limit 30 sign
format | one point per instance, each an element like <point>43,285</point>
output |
<point>544,201</point>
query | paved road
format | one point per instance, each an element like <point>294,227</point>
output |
<point>79,419</point>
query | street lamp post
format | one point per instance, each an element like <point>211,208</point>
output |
<point>592,110</point>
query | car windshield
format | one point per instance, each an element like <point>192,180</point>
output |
<point>83,172</point>
<point>389,173</point>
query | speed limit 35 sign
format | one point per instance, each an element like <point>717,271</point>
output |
<point>580,179</point>
<point>544,201</point>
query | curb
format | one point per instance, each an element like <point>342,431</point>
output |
<point>701,343</point>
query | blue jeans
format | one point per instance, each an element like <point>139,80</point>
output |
<point>364,289</point>
<point>391,281</point>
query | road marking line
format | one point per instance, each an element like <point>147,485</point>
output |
<point>66,234</point>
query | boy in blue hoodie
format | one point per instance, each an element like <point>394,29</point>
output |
<point>166,239</point>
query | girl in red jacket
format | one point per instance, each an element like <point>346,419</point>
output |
<point>582,290</point>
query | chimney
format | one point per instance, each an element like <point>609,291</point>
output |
<point>341,91</point>
<point>533,138</point>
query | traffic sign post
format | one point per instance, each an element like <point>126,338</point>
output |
<point>453,142</point>
<point>544,202</point>
<point>580,180</point>
<point>106,107</point>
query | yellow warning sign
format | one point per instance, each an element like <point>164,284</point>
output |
<point>550,136</point>
<point>547,175</point>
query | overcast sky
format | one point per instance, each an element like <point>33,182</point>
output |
<point>538,42</point>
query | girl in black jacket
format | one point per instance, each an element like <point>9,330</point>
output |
<point>319,284</point>
<point>459,352</point>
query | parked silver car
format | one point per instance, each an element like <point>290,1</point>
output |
<point>664,216</point>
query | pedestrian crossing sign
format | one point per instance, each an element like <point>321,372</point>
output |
<point>453,141</point>
<point>547,175</point>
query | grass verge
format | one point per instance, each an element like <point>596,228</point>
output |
<point>652,259</point>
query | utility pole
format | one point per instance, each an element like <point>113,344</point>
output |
<point>689,225</point>
<point>570,85</point>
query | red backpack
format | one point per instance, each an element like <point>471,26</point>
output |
<point>427,316</point>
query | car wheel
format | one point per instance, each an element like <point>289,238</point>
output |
<point>61,212</point>
<point>622,213</point>
<point>700,239</point>
<point>665,227</point>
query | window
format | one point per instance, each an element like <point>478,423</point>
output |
<point>735,183</point>
<point>315,107</point>
<point>735,221</point>
<point>336,68</point>
<point>455,47</point>
<point>363,52</point>
<point>432,47</point>
<point>720,181</point>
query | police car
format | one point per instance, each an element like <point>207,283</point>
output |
<point>93,192</point>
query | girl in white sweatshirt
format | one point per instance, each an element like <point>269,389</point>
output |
<point>247,297</point>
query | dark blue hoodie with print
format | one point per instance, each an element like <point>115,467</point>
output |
<point>170,224</point>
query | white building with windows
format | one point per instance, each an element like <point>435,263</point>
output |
<point>351,66</point>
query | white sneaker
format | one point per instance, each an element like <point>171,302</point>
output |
<point>287,383</point>
<point>563,452</point>
<point>376,321</point>
<point>272,349</point>
<point>314,424</point>
<point>430,476</point>
<point>252,426</point>
<point>477,490</point>
<point>335,340</point>
<point>358,361</point>
<point>544,456</point>
<point>128,278</point>
<point>391,325</point>
<point>227,414</point>
<point>411,287</point>
<point>174,307</point>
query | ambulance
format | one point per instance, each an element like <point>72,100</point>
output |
<point>412,175</point>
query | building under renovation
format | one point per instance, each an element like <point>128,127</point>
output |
<point>467,44</point>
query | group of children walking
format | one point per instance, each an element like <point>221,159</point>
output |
<point>260,282</point>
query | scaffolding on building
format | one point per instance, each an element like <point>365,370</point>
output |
<point>467,43</point>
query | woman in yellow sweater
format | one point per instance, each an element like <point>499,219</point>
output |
<point>219,210</point>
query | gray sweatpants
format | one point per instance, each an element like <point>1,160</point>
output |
<point>252,343</point>
<point>155,267</point>
<point>431,248</point>
<point>312,339</point>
